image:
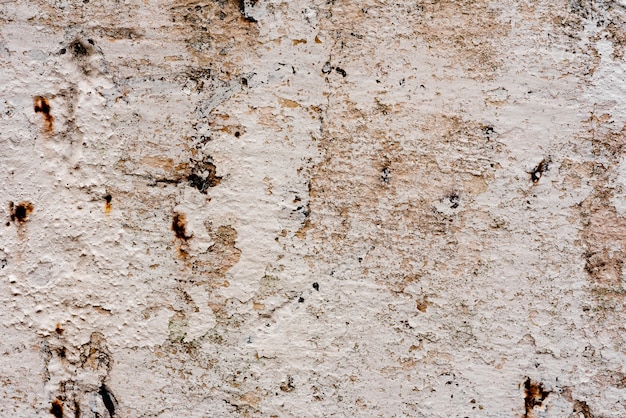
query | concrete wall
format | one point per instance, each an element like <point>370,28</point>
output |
<point>312,208</point>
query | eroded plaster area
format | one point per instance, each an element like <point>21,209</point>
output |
<point>312,208</point>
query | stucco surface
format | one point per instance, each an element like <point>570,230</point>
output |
<point>312,208</point>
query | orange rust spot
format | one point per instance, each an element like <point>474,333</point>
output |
<point>318,40</point>
<point>21,211</point>
<point>299,41</point>
<point>534,395</point>
<point>59,330</point>
<point>42,105</point>
<point>107,205</point>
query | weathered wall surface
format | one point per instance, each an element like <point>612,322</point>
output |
<point>313,208</point>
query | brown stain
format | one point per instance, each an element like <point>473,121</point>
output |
<point>422,304</point>
<point>179,226</point>
<point>580,408</point>
<point>302,231</point>
<point>534,396</point>
<point>42,105</point>
<point>299,41</point>
<point>290,104</point>
<point>19,213</point>
<point>250,398</point>
<point>212,179</point>
<point>167,164</point>
<point>204,176</point>
<point>107,203</point>
<point>59,330</point>
<point>95,355</point>
<point>56,408</point>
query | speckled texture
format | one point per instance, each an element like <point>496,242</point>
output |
<point>313,208</point>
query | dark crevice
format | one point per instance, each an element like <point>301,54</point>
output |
<point>108,399</point>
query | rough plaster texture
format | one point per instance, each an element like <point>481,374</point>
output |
<point>313,208</point>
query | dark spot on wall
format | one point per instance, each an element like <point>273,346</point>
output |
<point>540,169</point>
<point>454,199</point>
<point>237,134</point>
<point>78,49</point>
<point>42,105</point>
<point>62,51</point>
<point>179,226</point>
<point>59,330</point>
<point>534,395</point>
<point>244,6</point>
<point>385,175</point>
<point>300,299</point>
<point>316,286</point>
<point>341,71</point>
<point>203,176</point>
<point>288,386</point>
<point>20,212</point>
<point>57,408</point>
<point>108,399</point>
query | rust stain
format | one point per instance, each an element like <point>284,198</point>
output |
<point>299,41</point>
<point>179,226</point>
<point>534,395</point>
<point>19,213</point>
<point>107,205</point>
<point>57,408</point>
<point>42,105</point>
